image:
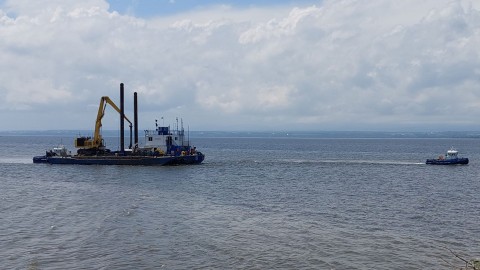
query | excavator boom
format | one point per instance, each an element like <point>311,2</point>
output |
<point>97,142</point>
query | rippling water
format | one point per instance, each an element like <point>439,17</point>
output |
<point>256,203</point>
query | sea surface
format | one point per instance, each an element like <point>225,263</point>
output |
<point>255,203</point>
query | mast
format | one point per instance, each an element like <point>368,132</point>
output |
<point>122,123</point>
<point>135,117</point>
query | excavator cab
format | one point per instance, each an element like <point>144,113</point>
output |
<point>83,142</point>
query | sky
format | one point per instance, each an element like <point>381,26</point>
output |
<point>331,65</point>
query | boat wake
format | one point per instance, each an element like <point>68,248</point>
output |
<point>355,161</point>
<point>15,160</point>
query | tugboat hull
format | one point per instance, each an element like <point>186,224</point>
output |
<point>458,161</point>
<point>40,159</point>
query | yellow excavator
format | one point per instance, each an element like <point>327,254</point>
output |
<point>96,145</point>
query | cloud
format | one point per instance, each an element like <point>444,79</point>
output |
<point>330,65</point>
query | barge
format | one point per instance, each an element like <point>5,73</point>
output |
<point>163,145</point>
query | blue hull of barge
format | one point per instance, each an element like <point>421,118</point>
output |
<point>455,161</point>
<point>123,160</point>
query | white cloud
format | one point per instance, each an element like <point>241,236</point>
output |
<point>274,29</point>
<point>332,65</point>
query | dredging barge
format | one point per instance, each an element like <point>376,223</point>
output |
<point>163,146</point>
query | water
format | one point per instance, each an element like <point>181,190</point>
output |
<point>255,203</point>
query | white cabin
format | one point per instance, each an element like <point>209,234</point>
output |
<point>165,141</point>
<point>451,154</point>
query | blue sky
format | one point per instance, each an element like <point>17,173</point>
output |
<point>147,8</point>
<point>379,65</point>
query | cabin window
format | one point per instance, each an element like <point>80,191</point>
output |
<point>150,139</point>
<point>176,138</point>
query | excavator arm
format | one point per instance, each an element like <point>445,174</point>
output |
<point>97,137</point>
<point>97,141</point>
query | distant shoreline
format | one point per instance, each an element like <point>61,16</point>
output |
<point>267,134</point>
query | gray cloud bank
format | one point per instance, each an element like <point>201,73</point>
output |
<point>336,65</point>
